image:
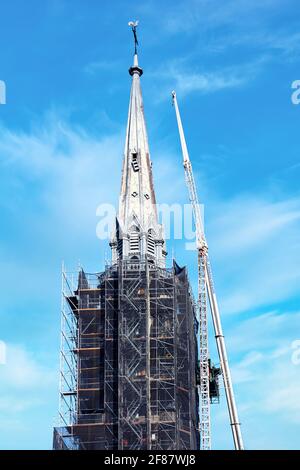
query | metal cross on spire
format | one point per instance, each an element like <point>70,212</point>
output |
<point>133,25</point>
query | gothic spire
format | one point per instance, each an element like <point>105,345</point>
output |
<point>139,234</point>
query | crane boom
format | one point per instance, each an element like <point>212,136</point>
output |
<point>191,185</point>
<point>205,284</point>
<point>205,428</point>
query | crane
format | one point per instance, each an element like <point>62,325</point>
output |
<point>206,289</point>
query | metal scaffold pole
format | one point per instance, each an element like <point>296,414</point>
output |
<point>205,284</point>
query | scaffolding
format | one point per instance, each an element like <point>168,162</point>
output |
<point>128,360</point>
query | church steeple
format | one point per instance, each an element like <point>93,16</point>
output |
<point>138,233</point>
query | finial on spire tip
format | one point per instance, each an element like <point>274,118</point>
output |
<point>134,25</point>
<point>135,68</point>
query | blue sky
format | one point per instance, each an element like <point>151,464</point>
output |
<point>65,65</point>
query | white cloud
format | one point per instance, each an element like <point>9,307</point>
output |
<point>260,238</point>
<point>53,177</point>
<point>74,171</point>
<point>287,43</point>
<point>266,382</point>
<point>184,77</point>
<point>265,331</point>
<point>205,82</point>
<point>15,405</point>
<point>187,82</point>
<point>23,372</point>
<point>27,386</point>
<point>284,44</point>
<point>28,393</point>
<point>206,15</point>
<point>247,222</point>
<point>219,27</point>
<point>268,399</point>
<point>243,371</point>
<point>284,390</point>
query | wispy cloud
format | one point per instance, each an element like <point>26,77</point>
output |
<point>281,46</point>
<point>185,83</point>
<point>69,172</point>
<point>271,331</point>
<point>266,381</point>
<point>25,382</point>
<point>179,75</point>
<point>22,371</point>
<point>250,231</point>
<point>245,28</point>
<point>287,43</point>
<point>248,222</point>
<point>28,387</point>
<point>205,15</point>
<point>67,164</point>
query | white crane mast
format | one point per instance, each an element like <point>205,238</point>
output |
<point>205,285</point>
<point>202,303</point>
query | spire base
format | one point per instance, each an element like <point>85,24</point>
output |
<point>135,69</point>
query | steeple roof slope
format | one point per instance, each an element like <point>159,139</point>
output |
<point>137,197</point>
